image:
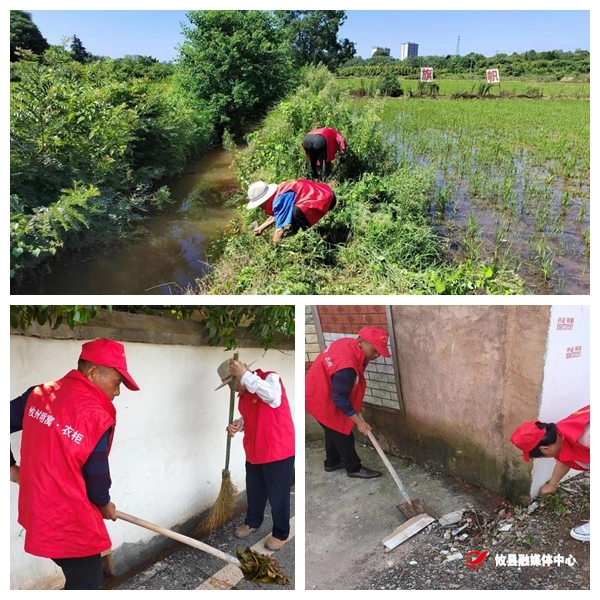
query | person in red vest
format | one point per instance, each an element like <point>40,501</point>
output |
<point>567,441</point>
<point>269,444</point>
<point>321,145</point>
<point>63,476</point>
<point>295,204</point>
<point>335,389</point>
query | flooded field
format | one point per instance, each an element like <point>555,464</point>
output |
<point>512,182</point>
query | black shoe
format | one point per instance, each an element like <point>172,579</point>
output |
<point>365,473</point>
<point>340,465</point>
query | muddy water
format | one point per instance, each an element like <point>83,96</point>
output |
<point>171,254</point>
<point>570,270</point>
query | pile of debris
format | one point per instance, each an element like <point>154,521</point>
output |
<point>509,527</point>
<point>460,550</point>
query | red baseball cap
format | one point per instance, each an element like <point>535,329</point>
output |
<point>108,353</point>
<point>526,437</point>
<point>378,337</point>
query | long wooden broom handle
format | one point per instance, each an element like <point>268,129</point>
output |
<point>231,405</point>
<point>389,466</point>
<point>179,537</point>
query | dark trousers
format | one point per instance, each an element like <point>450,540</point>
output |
<point>299,220</point>
<point>339,447</point>
<point>272,481</point>
<point>315,146</point>
<point>81,573</point>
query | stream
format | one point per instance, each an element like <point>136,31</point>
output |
<point>171,255</point>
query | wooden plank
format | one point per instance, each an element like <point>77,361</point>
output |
<point>407,530</point>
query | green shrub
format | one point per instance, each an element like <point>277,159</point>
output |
<point>388,85</point>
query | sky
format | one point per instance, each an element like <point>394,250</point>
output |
<point>158,33</point>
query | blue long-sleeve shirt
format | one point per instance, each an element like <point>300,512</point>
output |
<point>283,209</point>
<point>95,471</point>
<point>342,382</point>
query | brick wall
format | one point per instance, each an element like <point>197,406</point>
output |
<point>349,319</point>
<point>340,321</point>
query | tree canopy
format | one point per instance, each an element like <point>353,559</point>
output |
<point>78,51</point>
<point>238,61</point>
<point>553,63</point>
<point>225,325</point>
<point>313,36</point>
<point>25,35</point>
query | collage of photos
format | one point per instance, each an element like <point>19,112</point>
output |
<point>334,397</point>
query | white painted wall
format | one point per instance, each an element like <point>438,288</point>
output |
<point>566,382</point>
<point>170,440</point>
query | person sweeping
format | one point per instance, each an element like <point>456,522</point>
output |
<point>269,444</point>
<point>68,427</point>
<point>222,509</point>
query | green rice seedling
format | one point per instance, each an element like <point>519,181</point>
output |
<point>544,258</point>
<point>443,196</point>
<point>586,241</point>
<point>559,226</point>
<point>581,215</point>
<point>472,241</point>
<point>501,238</point>
<point>565,199</point>
<point>542,213</point>
<point>559,286</point>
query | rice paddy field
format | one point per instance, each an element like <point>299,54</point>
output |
<point>437,195</point>
<point>448,87</point>
<point>512,181</point>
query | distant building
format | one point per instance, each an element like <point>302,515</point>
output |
<point>375,48</point>
<point>409,49</point>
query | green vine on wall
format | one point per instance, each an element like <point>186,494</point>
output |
<point>224,325</point>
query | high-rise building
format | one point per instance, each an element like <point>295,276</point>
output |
<point>409,49</point>
<point>375,48</point>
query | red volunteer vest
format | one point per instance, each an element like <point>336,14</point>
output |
<point>341,354</point>
<point>570,429</point>
<point>62,424</point>
<point>312,198</point>
<point>268,432</point>
<point>331,136</point>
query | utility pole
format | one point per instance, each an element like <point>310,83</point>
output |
<point>458,46</point>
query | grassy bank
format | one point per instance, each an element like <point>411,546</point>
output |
<point>378,239</point>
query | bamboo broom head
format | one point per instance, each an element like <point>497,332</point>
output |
<point>222,509</point>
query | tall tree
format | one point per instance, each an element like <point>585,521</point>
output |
<point>79,53</point>
<point>313,36</point>
<point>24,34</point>
<point>235,60</point>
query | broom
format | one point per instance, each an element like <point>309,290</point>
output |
<point>222,510</point>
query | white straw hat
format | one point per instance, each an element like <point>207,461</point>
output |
<point>259,192</point>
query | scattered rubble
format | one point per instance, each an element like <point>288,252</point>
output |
<point>535,538</point>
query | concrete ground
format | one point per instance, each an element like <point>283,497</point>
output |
<point>185,568</point>
<point>347,519</point>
